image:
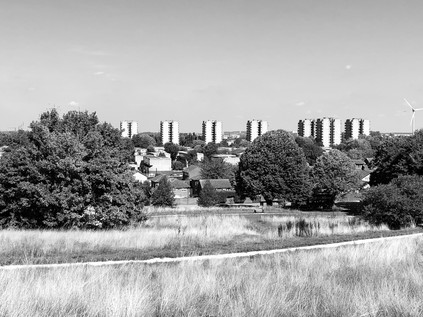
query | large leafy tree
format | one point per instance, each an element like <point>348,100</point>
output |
<point>334,173</point>
<point>216,168</point>
<point>310,148</point>
<point>143,140</point>
<point>172,149</point>
<point>72,173</point>
<point>208,196</point>
<point>274,166</point>
<point>398,156</point>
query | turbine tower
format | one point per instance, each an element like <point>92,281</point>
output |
<point>413,116</point>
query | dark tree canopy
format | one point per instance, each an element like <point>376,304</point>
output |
<point>334,173</point>
<point>215,169</point>
<point>172,149</point>
<point>143,140</point>
<point>208,196</point>
<point>398,156</point>
<point>397,204</point>
<point>274,166</point>
<point>72,173</point>
<point>310,148</point>
<point>163,195</point>
<point>210,149</point>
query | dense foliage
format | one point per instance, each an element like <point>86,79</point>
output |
<point>398,156</point>
<point>73,172</point>
<point>397,204</point>
<point>163,195</point>
<point>274,166</point>
<point>208,195</point>
<point>172,149</point>
<point>216,168</point>
<point>310,148</point>
<point>333,173</point>
<point>143,140</point>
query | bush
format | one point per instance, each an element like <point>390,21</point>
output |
<point>208,196</point>
<point>163,195</point>
<point>398,204</point>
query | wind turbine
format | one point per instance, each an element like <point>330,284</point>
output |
<point>413,116</point>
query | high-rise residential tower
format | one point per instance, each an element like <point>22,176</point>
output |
<point>128,128</point>
<point>212,131</point>
<point>255,128</point>
<point>169,131</point>
<point>355,127</point>
<point>328,131</point>
<point>306,128</point>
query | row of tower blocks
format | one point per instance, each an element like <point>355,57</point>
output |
<point>211,129</point>
<point>328,131</point>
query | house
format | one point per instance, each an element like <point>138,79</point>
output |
<point>227,158</point>
<point>359,164</point>
<point>152,165</point>
<point>221,185</point>
<point>365,178</point>
<point>192,172</point>
<point>181,188</point>
<point>140,177</point>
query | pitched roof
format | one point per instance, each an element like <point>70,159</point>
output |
<point>222,183</point>
<point>364,173</point>
<point>178,184</point>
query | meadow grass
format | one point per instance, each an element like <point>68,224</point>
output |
<point>377,279</point>
<point>169,236</point>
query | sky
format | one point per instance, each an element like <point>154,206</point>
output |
<point>226,60</point>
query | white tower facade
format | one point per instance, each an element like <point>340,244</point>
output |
<point>328,131</point>
<point>306,128</point>
<point>256,128</point>
<point>128,128</point>
<point>212,131</point>
<point>169,132</point>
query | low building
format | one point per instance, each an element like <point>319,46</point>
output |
<point>192,172</point>
<point>153,165</point>
<point>221,185</point>
<point>227,158</point>
<point>181,189</point>
<point>139,177</point>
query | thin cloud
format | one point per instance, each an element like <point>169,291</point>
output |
<point>98,73</point>
<point>300,103</point>
<point>348,67</point>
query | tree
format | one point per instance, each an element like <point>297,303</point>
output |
<point>210,149</point>
<point>274,166</point>
<point>310,148</point>
<point>172,149</point>
<point>215,169</point>
<point>68,176</point>
<point>208,196</point>
<point>178,165</point>
<point>398,156</point>
<point>163,195</point>
<point>397,204</point>
<point>334,173</point>
<point>143,140</point>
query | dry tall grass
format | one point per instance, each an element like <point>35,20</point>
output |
<point>383,279</point>
<point>31,246</point>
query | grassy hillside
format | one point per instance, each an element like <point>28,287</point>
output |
<point>378,279</point>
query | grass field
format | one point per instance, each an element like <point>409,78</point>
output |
<point>173,236</point>
<point>377,279</point>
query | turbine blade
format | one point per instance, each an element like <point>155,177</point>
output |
<point>418,109</point>
<point>409,104</point>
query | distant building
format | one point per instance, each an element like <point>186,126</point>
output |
<point>328,131</point>
<point>128,128</point>
<point>255,128</point>
<point>212,131</point>
<point>151,165</point>
<point>169,132</point>
<point>356,127</point>
<point>306,128</point>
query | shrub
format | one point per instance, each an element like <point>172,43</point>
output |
<point>208,195</point>
<point>397,204</point>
